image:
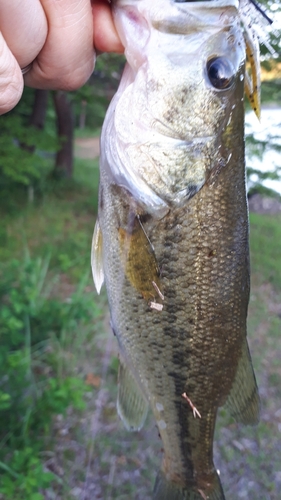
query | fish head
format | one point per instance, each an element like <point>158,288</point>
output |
<point>181,100</point>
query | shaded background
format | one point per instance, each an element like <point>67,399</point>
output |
<point>60,437</point>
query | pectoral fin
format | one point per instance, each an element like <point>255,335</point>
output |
<point>132,406</point>
<point>243,401</point>
<point>140,264</point>
<point>96,258</point>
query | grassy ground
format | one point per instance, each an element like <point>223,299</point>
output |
<point>86,449</point>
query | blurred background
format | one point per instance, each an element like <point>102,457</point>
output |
<point>60,437</point>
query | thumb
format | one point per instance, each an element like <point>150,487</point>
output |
<point>106,38</point>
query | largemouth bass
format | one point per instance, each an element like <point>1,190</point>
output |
<point>171,239</point>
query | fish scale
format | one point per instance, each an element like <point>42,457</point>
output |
<point>174,253</point>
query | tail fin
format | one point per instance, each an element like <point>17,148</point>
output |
<point>167,490</point>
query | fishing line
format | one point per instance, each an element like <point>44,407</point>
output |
<point>261,11</point>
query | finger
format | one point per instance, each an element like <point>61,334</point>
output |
<point>24,26</point>
<point>11,81</point>
<point>67,58</point>
<point>106,38</point>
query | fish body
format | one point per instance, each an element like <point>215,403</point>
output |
<point>171,240</point>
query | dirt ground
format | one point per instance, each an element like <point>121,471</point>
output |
<point>87,148</point>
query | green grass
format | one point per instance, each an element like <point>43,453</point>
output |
<point>49,321</point>
<point>265,238</point>
<point>87,132</point>
<point>60,223</point>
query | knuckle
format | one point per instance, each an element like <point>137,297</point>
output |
<point>11,81</point>
<point>72,80</point>
<point>67,78</point>
<point>11,87</point>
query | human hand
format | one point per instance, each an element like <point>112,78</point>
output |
<point>57,37</point>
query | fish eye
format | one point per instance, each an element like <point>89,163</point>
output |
<point>220,72</point>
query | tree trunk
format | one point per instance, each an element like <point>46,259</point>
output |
<point>82,117</point>
<point>65,126</point>
<point>38,115</point>
<point>39,110</point>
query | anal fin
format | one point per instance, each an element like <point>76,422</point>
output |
<point>243,401</point>
<point>132,406</point>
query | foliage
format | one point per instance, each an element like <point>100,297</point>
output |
<point>48,320</point>
<point>271,47</point>
<point>25,476</point>
<point>26,153</point>
<point>271,90</point>
<point>94,97</point>
<point>28,308</point>
<point>35,383</point>
<point>256,147</point>
<point>12,136</point>
<point>24,150</point>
